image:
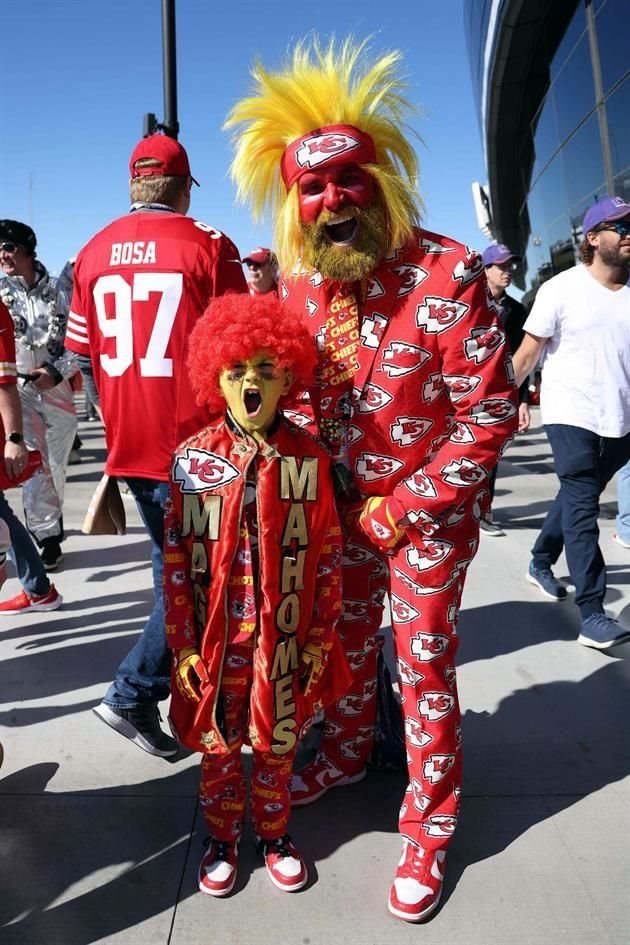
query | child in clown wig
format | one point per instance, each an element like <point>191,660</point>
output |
<point>252,586</point>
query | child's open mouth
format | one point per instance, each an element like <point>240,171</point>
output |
<point>253,402</point>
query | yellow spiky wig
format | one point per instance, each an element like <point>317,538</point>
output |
<point>321,86</point>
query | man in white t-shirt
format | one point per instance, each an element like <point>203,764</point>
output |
<point>579,327</point>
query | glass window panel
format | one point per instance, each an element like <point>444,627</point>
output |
<point>573,91</point>
<point>618,115</point>
<point>582,163</point>
<point>546,137</point>
<point>611,25</point>
<point>576,28</point>
<point>553,191</point>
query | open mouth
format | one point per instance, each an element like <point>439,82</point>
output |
<point>252,401</point>
<point>343,232</point>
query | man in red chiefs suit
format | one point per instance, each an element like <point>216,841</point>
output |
<point>415,399</point>
<point>139,287</point>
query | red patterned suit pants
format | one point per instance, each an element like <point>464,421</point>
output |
<point>423,621</point>
<point>223,790</point>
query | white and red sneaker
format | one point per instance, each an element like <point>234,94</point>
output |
<point>286,868</point>
<point>417,887</point>
<point>318,777</point>
<point>217,870</point>
<point>23,603</point>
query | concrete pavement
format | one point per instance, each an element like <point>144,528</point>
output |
<point>100,842</point>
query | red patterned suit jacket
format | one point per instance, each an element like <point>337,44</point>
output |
<point>298,596</point>
<point>434,400</point>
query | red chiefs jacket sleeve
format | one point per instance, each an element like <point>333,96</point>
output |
<point>477,373</point>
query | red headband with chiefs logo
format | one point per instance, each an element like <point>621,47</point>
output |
<point>328,146</point>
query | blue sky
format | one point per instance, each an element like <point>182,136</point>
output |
<point>80,74</point>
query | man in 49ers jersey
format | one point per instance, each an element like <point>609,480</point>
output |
<point>139,287</point>
<point>415,400</point>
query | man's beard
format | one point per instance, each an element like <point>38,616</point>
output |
<point>347,263</point>
<point>614,257</point>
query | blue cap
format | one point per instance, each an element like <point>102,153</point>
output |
<point>607,208</point>
<point>498,254</point>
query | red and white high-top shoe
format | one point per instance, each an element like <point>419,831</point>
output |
<point>217,870</point>
<point>417,887</point>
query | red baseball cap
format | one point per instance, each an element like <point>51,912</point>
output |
<point>261,255</point>
<point>169,153</point>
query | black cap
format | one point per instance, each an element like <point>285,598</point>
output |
<point>18,233</point>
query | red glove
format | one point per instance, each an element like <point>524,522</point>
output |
<point>379,520</point>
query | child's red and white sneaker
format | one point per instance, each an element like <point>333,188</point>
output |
<point>417,887</point>
<point>286,868</point>
<point>217,870</point>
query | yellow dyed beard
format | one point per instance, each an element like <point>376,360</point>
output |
<point>347,263</point>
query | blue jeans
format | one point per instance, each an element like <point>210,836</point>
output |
<point>584,464</point>
<point>24,554</point>
<point>144,674</point>
<point>623,503</point>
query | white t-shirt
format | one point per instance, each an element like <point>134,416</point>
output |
<point>586,362</point>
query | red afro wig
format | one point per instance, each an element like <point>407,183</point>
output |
<point>232,329</point>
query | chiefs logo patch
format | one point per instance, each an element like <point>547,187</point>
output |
<point>482,343</point>
<point>428,554</point>
<point>420,800</point>
<point>468,269</point>
<point>430,246</point>
<point>437,767</point>
<point>402,612</point>
<point>199,470</point>
<point>435,705</point>
<point>316,279</point>
<point>299,419</point>
<point>311,307</point>
<point>432,388</point>
<point>421,485</point>
<point>243,607</point>
<point>414,734</point>
<point>400,358</point>
<point>354,610</point>
<point>372,328</point>
<point>440,825</point>
<point>372,399</point>
<point>317,149</point>
<point>371,466</point>
<point>428,646</point>
<point>284,292</point>
<point>353,434</point>
<point>375,289</point>
<point>408,430</point>
<point>461,433</point>
<point>492,410</point>
<point>350,705</point>
<point>461,385</point>
<point>463,472</point>
<point>410,278</point>
<point>356,555</point>
<point>437,314</point>
<point>406,580</point>
<point>407,675</point>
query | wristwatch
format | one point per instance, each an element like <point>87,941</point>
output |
<point>14,438</point>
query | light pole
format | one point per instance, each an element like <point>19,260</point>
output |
<point>170,125</point>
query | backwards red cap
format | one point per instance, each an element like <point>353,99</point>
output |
<point>326,147</point>
<point>170,155</point>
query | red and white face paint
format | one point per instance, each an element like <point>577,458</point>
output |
<point>334,189</point>
<point>326,162</point>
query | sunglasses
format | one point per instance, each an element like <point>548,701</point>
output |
<point>9,247</point>
<point>622,227</point>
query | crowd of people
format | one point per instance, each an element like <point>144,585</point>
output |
<point>309,443</point>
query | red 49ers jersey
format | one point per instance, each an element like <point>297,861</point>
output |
<point>434,399</point>
<point>139,286</point>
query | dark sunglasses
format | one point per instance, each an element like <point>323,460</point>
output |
<point>622,227</point>
<point>9,247</point>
